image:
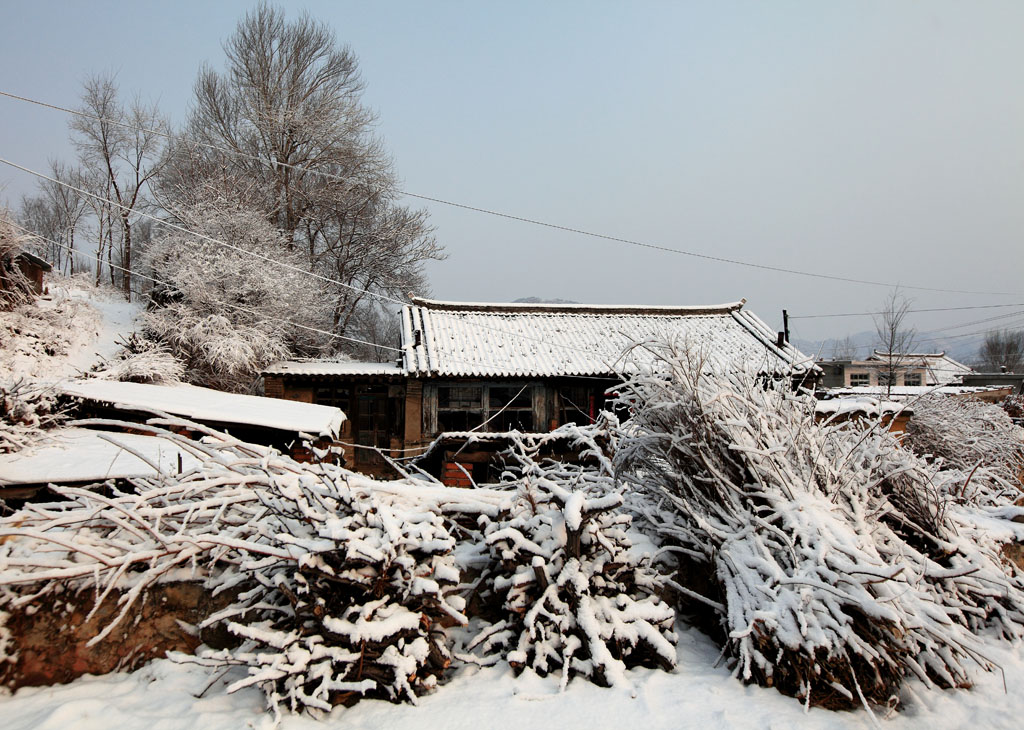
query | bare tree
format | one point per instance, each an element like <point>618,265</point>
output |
<point>895,336</point>
<point>122,149</point>
<point>56,214</point>
<point>1002,349</point>
<point>844,349</point>
<point>298,145</point>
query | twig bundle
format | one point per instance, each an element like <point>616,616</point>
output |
<point>344,587</point>
<point>832,560</point>
<point>573,597</point>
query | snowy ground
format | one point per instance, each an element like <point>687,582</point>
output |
<point>64,334</point>
<point>162,696</point>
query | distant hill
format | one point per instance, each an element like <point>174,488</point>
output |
<point>960,349</point>
<point>538,300</point>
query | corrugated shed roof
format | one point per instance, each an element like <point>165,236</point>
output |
<point>456,339</point>
<point>206,405</point>
<point>323,367</point>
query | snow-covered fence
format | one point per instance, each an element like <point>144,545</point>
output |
<point>834,562</point>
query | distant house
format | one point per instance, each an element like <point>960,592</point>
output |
<point>911,369</point>
<point>30,266</point>
<point>473,371</point>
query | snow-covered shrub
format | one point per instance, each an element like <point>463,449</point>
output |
<point>228,312</point>
<point>343,581</point>
<point>965,433</point>
<point>832,561</point>
<point>142,361</point>
<point>26,411</point>
<point>7,651</point>
<point>573,597</point>
<point>39,341</point>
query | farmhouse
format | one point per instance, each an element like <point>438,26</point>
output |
<point>474,371</point>
<point>908,369</point>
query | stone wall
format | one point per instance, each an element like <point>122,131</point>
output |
<point>50,635</point>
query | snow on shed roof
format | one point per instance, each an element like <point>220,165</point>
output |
<point>206,405</point>
<point>81,455</point>
<point>538,340</point>
<point>322,367</point>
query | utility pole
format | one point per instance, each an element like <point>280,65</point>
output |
<point>785,325</point>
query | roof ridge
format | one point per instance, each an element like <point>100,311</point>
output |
<point>536,308</point>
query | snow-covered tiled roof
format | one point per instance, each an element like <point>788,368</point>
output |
<point>206,405</point>
<point>322,367</point>
<point>452,339</point>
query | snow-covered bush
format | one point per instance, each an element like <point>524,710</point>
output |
<point>832,562</point>
<point>227,312</point>
<point>142,361</point>
<point>358,609</point>
<point>26,412</point>
<point>966,433</point>
<point>573,597</point>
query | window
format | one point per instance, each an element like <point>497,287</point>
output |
<point>912,379</point>
<point>578,404</point>
<point>504,407</point>
<point>459,407</point>
<point>509,408</point>
<point>339,396</point>
<point>860,379</point>
<point>372,423</point>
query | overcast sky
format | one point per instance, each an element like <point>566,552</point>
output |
<point>870,140</point>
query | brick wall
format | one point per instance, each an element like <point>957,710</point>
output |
<point>454,476</point>
<point>273,387</point>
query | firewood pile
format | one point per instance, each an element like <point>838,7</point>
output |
<point>835,564</point>
<point>345,590</point>
<point>830,561</point>
<point>572,596</point>
<point>970,436</point>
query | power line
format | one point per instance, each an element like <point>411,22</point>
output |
<point>274,262</point>
<point>509,216</point>
<point>978,333</point>
<point>599,356</point>
<point>875,314</point>
<point>270,318</point>
<point>974,322</point>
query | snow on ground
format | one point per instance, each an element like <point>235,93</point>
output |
<point>64,334</point>
<point>162,696</point>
